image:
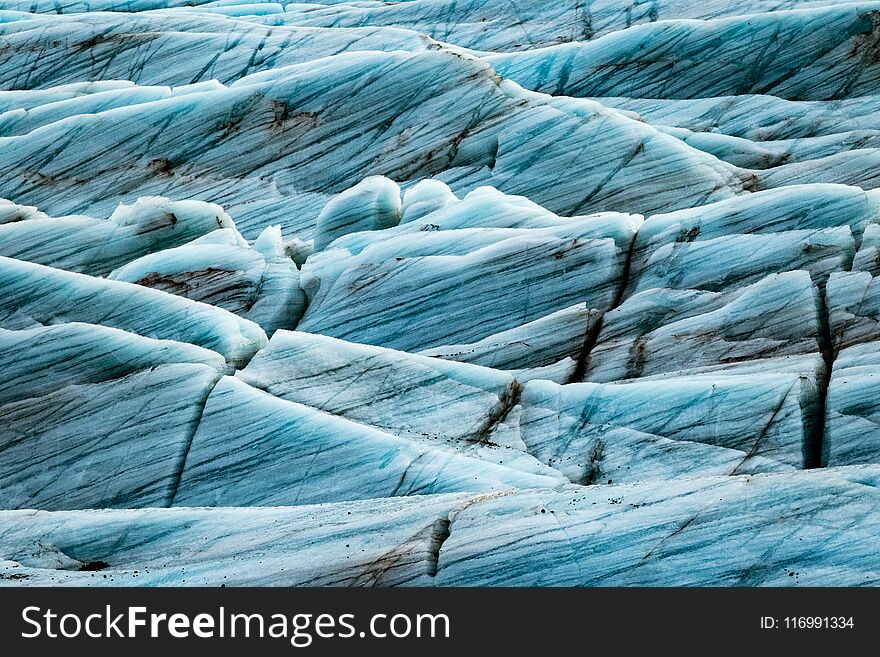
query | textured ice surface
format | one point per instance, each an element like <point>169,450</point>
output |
<point>252,448</point>
<point>97,246</point>
<point>439,293</point>
<point>373,542</point>
<point>819,54</point>
<point>484,207</point>
<point>603,432</point>
<point>808,528</point>
<point>812,528</point>
<point>441,279</point>
<point>759,118</point>
<point>97,417</point>
<point>532,347</point>
<point>867,258</point>
<point>775,213</point>
<point>853,407</point>
<point>854,308</point>
<point>259,282</point>
<point>372,204</point>
<point>485,24</point>
<point>662,330</point>
<point>522,278</point>
<point>38,295</point>
<point>46,51</point>
<point>272,147</point>
<point>853,416</point>
<point>400,393</point>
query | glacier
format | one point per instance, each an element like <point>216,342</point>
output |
<point>823,53</point>
<point>439,294</point>
<point>691,532</point>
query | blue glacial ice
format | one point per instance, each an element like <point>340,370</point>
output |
<point>821,53</point>
<point>37,295</point>
<point>97,417</point>
<point>258,282</point>
<point>89,245</point>
<point>269,146</point>
<point>431,293</point>
<point>691,531</point>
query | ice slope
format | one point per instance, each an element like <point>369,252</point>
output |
<point>97,417</point>
<point>504,25</point>
<point>98,246</point>
<point>799,209</point>
<point>853,412</point>
<point>742,259</point>
<point>36,295</point>
<point>371,542</point>
<point>663,330</point>
<point>780,142</point>
<point>599,433</point>
<point>854,308</point>
<point>267,148</point>
<point>372,204</point>
<point>506,280</point>
<point>437,266</point>
<point>480,24</point>
<point>39,52</point>
<point>817,54</point>
<point>808,528</point>
<point>546,348</point>
<point>400,393</point>
<point>759,118</point>
<point>867,258</point>
<point>852,434</point>
<point>254,449</point>
<point>767,530</point>
<point>430,206</point>
<point>259,282</point>
<point>188,248</point>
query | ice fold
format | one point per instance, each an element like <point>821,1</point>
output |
<point>254,449</point>
<point>259,283</point>
<point>799,529</point>
<point>97,246</point>
<point>95,417</point>
<point>38,295</point>
<point>274,147</point>
<point>400,393</point>
<point>490,280</point>
<point>823,53</point>
<point>680,427</point>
